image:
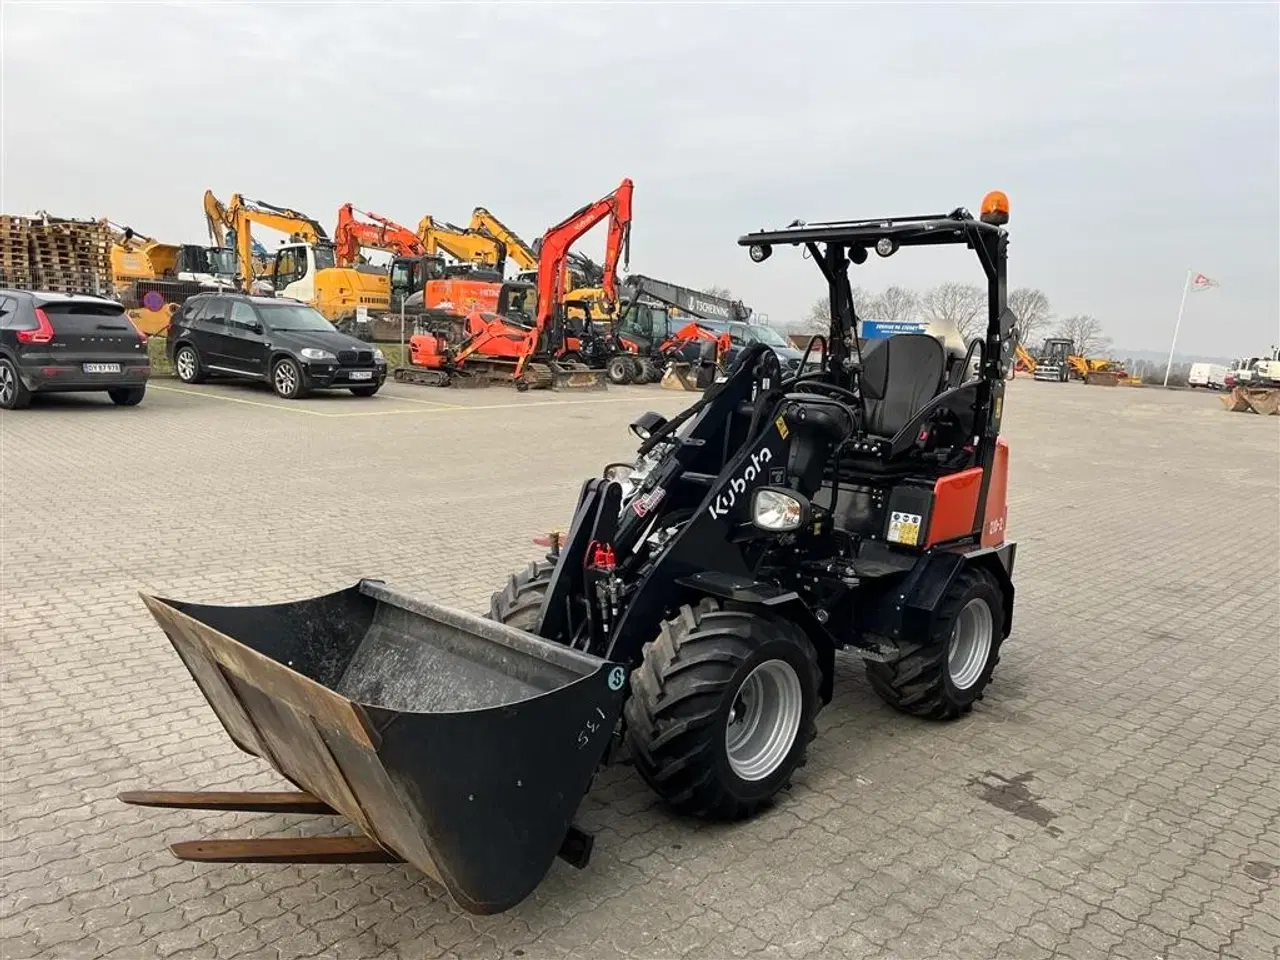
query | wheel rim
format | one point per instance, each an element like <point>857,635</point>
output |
<point>186,364</point>
<point>7,388</point>
<point>619,369</point>
<point>970,644</point>
<point>286,379</point>
<point>764,720</point>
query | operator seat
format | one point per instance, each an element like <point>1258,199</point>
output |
<point>900,375</point>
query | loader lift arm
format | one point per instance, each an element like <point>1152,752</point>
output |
<point>352,235</point>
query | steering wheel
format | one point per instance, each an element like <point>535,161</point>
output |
<point>769,367</point>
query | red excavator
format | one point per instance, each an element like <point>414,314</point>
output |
<point>499,348</point>
<point>352,235</point>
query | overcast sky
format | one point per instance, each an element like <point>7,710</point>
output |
<point>1135,142</point>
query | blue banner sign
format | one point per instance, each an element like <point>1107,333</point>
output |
<point>880,329</point>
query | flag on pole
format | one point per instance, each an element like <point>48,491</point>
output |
<point>1201,282</point>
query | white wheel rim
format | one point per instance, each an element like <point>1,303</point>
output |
<point>7,388</point>
<point>970,644</point>
<point>285,378</point>
<point>764,720</point>
<point>186,364</point>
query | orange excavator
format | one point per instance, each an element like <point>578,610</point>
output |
<point>352,235</point>
<point>532,356</point>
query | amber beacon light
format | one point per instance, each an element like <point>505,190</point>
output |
<point>995,208</point>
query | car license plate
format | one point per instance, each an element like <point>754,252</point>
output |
<point>361,374</point>
<point>101,368</point>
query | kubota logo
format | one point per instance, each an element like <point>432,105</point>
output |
<point>724,501</point>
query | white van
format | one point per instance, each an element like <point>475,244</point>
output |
<point>1210,375</point>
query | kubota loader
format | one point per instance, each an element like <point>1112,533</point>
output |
<point>689,615</point>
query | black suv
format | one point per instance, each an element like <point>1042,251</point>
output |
<point>59,343</point>
<point>283,342</point>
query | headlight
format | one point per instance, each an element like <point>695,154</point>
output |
<point>311,353</point>
<point>619,472</point>
<point>778,509</point>
<point>379,356</point>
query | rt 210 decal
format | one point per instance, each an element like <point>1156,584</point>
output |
<point>724,502</point>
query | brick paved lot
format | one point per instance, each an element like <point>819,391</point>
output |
<point>1115,795</point>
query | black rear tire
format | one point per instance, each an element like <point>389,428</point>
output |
<point>682,697</point>
<point>127,396</point>
<point>14,394</point>
<point>519,602</point>
<point>650,372</point>
<point>187,365</point>
<point>620,370</point>
<point>921,681</point>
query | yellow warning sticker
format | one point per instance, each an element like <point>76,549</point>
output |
<point>782,427</point>
<point>904,528</point>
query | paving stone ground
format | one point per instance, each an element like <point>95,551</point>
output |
<point>1115,795</point>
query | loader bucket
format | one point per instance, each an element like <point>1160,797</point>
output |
<point>458,744</point>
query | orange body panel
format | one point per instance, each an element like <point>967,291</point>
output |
<point>426,350</point>
<point>997,513</point>
<point>462,297</point>
<point>955,506</point>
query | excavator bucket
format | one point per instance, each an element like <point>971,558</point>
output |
<point>455,743</point>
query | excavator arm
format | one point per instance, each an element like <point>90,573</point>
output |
<point>484,223</point>
<point>686,299</point>
<point>217,218</point>
<point>351,235</point>
<point>553,254</point>
<point>243,213</point>
<point>475,248</point>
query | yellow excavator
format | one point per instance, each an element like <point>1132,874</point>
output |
<point>152,279</point>
<point>479,250</point>
<point>304,267</point>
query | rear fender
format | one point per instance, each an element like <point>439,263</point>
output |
<point>921,594</point>
<point>775,601</point>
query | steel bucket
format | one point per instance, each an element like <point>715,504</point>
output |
<point>461,745</point>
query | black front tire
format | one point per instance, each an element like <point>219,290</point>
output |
<point>368,391</point>
<point>921,681</point>
<point>14,394</point>
<point>650,372</point>
<point>519,602</point>
<point>127,396</point>
<point>287,379</point>
<point>682,697</point>
<point>620,369</point>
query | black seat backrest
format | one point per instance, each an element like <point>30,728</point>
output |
<point>900,375</point>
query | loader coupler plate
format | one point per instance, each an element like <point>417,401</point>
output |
<point>458,744</point>
<point>575,377</point>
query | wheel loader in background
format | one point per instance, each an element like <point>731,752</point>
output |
<point>690,616</point>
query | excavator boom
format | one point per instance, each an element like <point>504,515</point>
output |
<point>352,235</point>
<point>475,248</point>
<point>687,300</point>
<point>486,224</point>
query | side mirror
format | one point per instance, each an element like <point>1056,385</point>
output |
<point>256,327</point>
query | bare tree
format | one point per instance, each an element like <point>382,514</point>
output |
<point>818,319</point>
<point>1085,332</point>
<point>895,304</point>
<point>724,293</point>
<point>960,303</point>
<point>1032,309</point>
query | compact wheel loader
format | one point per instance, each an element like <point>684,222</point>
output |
<point>689,617</point>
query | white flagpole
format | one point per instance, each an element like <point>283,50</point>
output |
<point>1186,285</point>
